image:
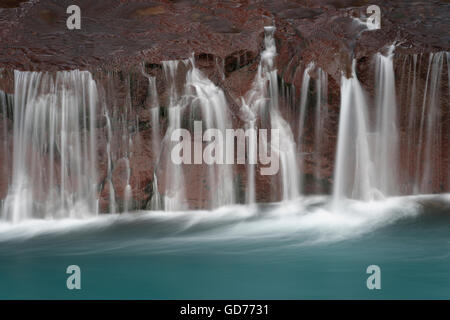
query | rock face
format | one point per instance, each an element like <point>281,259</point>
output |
<point>124,42</point>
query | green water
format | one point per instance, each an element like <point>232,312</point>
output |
<point>300,250</point>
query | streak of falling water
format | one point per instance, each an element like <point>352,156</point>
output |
<point>174,198</point>
<point>265,87</point>
<point>386,162</point>
<point>353,170</point>
<point>303,101</point>
<point>155,201</point>
<point>412,119</point>
<point>54,172</point>
<point>251,152</point>
<point>112,195</point>
<point>320,115</point>
<point>4,102</point>
<point>421,125</point>
<point>430,129</point>
<point>252,161</point>
<point>127,197</point>
<point>302,115</point>
<point>211,101</point>
<point>154,111</point>
<point>286,148</point>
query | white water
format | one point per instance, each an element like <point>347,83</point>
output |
<point>262,99</point>
<point>210,100</point>
<point>54,173</point>
<point>153,103</point>
<point>412,122</point>
<point>112,194</point>
<point>422,101</point>
<point>155,201</point>
<point>303,222</point>
<point>204,101</point>
<point>319,123</point>
<point>303,102</point>
<point>5,103</point>
<point>430,133</point>
<point>127,195</point>
<point>387,142</point>
<point>353,175</point>
<point>368,162</point>
<point>174,198</point>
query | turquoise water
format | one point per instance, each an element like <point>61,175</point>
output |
<point>298,250</point>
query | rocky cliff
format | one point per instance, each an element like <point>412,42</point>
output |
<point>124,43</point>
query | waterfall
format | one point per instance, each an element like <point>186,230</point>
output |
<point>430,133</point>
<point>303,102</point>
<point>112,196</point>
<point>262,100</point>
<point>54,168</point>
<point>127,195</point>
<point>286,149</point>
<point>425,127</point>
<point>386,162</point>
<point>154,113</point>
<point>5,105</point>
<point>204,101</point>
<point>320,116</point>
<point>251,152</point>
<point>353,170</point>
<point>368,161</point>
<point>175,194</point>
<point>210,100</point>
<point>153,102</point>
<point>412,122</point>
<point>155,201</point>
<point>306,79</point>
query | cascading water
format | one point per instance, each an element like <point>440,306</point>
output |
<point>422,99</point>
<point>174,198</point>
<point>55,144</point>
<point>320,117</point>
<point>205,102</point>
<point>412,111</point>
<point>112,195</point>
<point>353,170</point>
<point>154,113</point>
<point>54,171</point>
<point>153,102</point>
<point>386,162</point>
<point>155,201</point>
<point>204,95</point>
<point>262,100</point>
<point>127,197</point>
<point>5,161</point>
<point>430,134</point>
<point>303,102</point>
<point>368,161</point>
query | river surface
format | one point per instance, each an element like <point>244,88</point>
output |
<point>302,249</point>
